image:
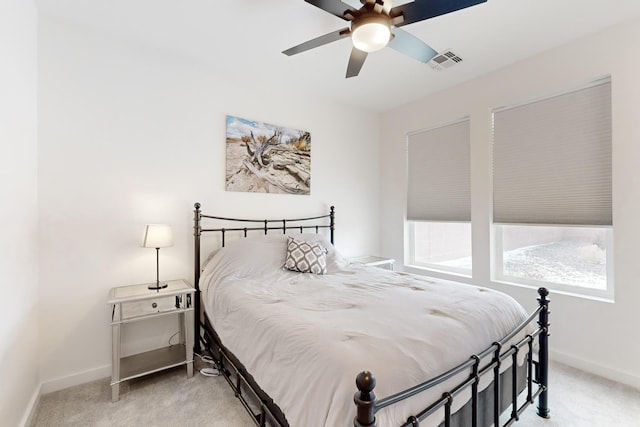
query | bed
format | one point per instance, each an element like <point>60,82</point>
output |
<point>295,346</point>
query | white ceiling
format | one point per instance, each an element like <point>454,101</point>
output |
<point>242,40</point>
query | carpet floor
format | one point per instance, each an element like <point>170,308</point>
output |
<point>170,399</point>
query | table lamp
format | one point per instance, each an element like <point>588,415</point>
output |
<point>157,236</point>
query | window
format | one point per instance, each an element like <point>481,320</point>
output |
<point>552,192</point>
<point>563,257</point>
<point>438,198</point>
<point>441,245</point>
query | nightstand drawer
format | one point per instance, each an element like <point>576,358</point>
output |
<point>150,306</point>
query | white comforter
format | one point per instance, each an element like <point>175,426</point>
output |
<point>305,337</point>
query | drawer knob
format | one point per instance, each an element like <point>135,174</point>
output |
<point>154,305</point>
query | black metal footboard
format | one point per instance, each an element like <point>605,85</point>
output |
<point>537,372</point>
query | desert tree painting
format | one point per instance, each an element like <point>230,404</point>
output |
<point>264,158</point>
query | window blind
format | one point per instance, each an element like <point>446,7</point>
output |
<point>552,160</point>
<point>439,180</point>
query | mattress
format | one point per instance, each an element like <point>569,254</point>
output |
<point>304,337</point>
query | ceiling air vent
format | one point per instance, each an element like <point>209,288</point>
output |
<point>444,60</point>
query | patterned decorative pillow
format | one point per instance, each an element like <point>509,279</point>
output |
<point>306,257</point>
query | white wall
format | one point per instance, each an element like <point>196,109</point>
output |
<point>600,337</point>
<point>18,214</point>
<point>131,135</point>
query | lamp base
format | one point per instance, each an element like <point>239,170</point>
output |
<point>157,286</point>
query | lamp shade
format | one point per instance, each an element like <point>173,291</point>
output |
<point>157,236</point>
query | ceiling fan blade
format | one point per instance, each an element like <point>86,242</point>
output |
<point>318,41</point>
<point>412,46</point>
<point>334,7</point>
<point>419,10</point>
<point>356,61</point>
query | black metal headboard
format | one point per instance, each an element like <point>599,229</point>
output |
<point>265,225</point>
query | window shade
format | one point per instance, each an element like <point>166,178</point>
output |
<point>552,160</point>
<point>439,180</point>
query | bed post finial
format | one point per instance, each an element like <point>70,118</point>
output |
<point>365,400</point>
<point>543,352</point>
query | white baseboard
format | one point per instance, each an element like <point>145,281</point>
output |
<point>31,407</point>
<point>75,379</point>
<point>59,384</point>
<point>596,369</point>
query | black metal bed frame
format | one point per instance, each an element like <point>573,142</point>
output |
<point>367,405</point>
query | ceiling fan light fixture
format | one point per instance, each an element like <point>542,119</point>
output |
<point>371,32</point>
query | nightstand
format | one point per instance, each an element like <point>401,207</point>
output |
<point>376,261</point>
<point>137,303</point>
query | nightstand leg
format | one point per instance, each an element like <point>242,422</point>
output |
<point>115,392</point>
<point>115,362</point>
<point>188,334</point>
<point>182,326</point>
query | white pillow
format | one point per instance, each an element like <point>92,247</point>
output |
<point>256,255</point>
<point>249,256</point>
<point>209,258</point>
<point>335,260</point>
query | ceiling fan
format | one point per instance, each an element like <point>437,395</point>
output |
<point>377,25</point>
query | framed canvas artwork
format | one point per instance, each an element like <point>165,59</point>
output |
<point>264,158</point>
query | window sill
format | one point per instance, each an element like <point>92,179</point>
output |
<point>434,272</point>
<point>554,290</point>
